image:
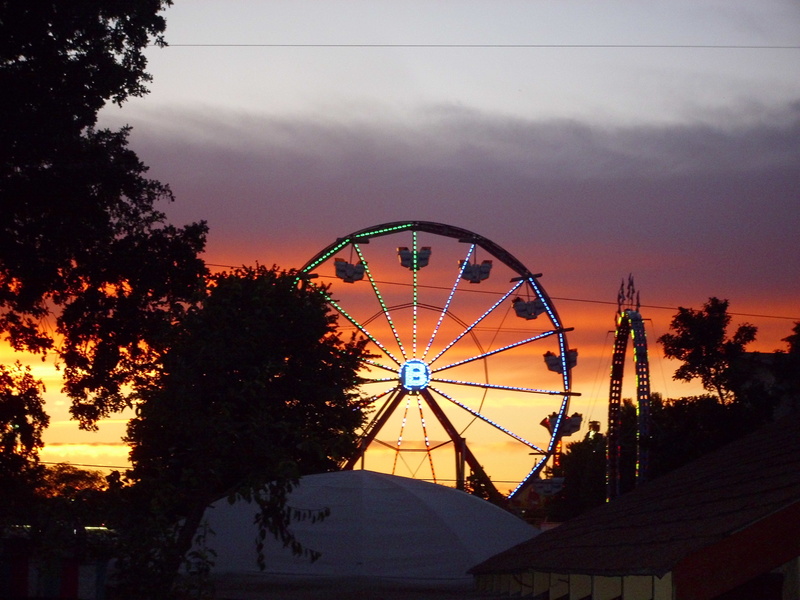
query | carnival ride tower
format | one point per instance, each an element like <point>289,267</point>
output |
<point>629,324</point>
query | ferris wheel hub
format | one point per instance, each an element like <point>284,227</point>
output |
<point>415,375</point>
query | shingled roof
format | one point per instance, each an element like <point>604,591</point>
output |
<point>650,530</point>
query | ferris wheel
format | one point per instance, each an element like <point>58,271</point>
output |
<point>470,363</point>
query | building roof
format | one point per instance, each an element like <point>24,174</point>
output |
<point>649,530</point>
<point>380,526</point>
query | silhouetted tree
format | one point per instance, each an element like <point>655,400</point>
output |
<point>80,236</point>
<point>256,390</point>
<point>68,481</point>
<point>583,467</point>
<point>700,341</point>
<point>22,422</point>
<point>684,429</point>
<point>793,340</point>
<point>477,486</point>
<point>769,382</point>
<point>788,373</point>
<point>22,417</point>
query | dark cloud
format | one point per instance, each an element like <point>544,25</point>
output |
<point>700,209</point>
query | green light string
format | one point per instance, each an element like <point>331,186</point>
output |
<point>378,295</point>
<point>360,327</point>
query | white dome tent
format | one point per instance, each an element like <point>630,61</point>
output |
<point>381,528</point>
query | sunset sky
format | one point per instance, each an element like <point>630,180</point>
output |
<point>590,140</point>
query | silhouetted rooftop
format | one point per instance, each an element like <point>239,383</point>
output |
<point>649,530</point>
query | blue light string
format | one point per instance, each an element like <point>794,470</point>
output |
<point>542,297</point>
<point>536,468</point>
<point>489,421</point>
<point>449,299</point>
<point>492,352</point>
<point>477,321</point>
<point>492,386</point>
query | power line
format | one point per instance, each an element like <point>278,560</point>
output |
<point>507,46</point>
<point>84,465</point>
<point>559,298</point>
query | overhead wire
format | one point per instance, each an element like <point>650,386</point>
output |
<point>499,46</point>
<point>559,298</point>
<point>46,462</point>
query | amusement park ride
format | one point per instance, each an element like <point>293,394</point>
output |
<point>629,324</point>
<point>457,330</point>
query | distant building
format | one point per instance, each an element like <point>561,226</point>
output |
<point>724,527</point>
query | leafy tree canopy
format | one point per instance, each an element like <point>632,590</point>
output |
<point>793,340</point>
<point>22,420</point>
<point>256,389</point>
<point>67,59</point>
<point>583,467</point>
<point>700,340</point>
<point>81,237</point>
<point>64,480</point>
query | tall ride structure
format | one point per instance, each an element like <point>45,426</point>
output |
<point>629,324</point>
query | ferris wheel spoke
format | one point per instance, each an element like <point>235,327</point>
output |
<point>499,350</point>
<point>379,296</point>
<point>378,379</point>
<point>378,365</point>
<point>510,388</point>
<point>457,440</point>
<point>427,450</point>
<point>477,321</point>
<point>475,413</point>
<point>415,293</point>
<point>359,326</point>
<point>400,435</point>
<point>395,395</point>
<point>425,437</point>
<point>449,300</point>
<point>378,415</point>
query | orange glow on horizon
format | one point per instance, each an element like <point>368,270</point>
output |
<point>593,325</point>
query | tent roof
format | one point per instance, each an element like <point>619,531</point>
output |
<point>649,530</point>
<point>380,526</point>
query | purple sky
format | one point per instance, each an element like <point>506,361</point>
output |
<point>679,165</point>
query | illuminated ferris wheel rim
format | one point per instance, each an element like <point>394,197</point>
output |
<point>450,231</point>
<point>414,375</point>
